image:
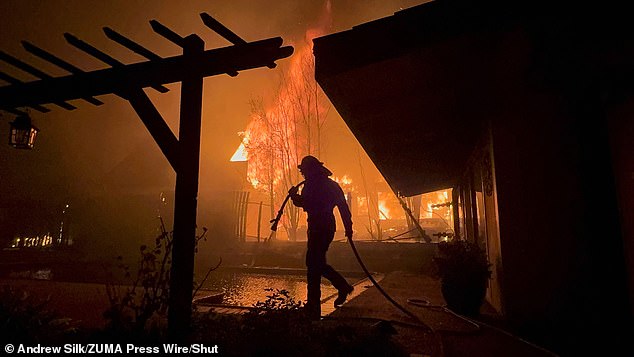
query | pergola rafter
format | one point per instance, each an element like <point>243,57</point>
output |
<point>127,81</point>
<point>144,74</point>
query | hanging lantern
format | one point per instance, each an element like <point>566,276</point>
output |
<point>22,133</point>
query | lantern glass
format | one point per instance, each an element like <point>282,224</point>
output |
<point>22,133</point>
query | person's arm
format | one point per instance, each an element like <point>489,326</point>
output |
<point>297,199</point>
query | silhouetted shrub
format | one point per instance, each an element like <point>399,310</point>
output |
<point>138,310</point>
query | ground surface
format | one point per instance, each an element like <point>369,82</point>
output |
<point>435,331</point>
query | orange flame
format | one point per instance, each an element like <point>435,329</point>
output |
<point>384,212</point>
<point>344,180</point>
<point>280,134</point>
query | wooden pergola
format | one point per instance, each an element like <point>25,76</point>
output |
<point>127,81</point>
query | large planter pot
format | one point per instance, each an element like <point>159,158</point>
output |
<point>464,272</point>
<point>464,296</point>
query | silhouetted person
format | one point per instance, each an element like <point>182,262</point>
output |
<point>319,197</point>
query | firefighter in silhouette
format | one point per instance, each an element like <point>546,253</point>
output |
<point>318,198</point>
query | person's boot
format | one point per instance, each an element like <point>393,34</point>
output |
<point>313,311</point>
<point>343,295</point>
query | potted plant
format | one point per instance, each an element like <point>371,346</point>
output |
<point>464,271</point>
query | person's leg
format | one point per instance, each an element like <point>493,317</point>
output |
<point>337,280</point>
<point>315,264</point>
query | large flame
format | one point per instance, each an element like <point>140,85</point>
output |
<point>279,134</point>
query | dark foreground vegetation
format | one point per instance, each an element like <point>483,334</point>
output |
<point>275,327</point>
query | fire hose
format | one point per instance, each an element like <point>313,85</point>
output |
<point>275,222</point>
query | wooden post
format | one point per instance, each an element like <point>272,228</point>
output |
<point>473,207</point>
<point>455,194</point>
<point>185,202</point>
<point>244,211</point>
<point>272,206</point>
<point>259,219</point>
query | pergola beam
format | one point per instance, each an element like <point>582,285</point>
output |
<point>144,74</point>
<point>102,56</point>
<point>155,124</point>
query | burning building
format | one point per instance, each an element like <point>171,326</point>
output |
<point>292,123</point>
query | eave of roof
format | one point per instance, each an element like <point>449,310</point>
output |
<point>399,83</point>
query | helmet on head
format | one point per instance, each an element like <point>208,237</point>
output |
<point>311,164</point>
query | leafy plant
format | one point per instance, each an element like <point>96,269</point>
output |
<point>460,259</point>
<point>279,309</point>
<point>278,300</point>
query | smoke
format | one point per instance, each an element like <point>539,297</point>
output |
<point>102,160</point>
